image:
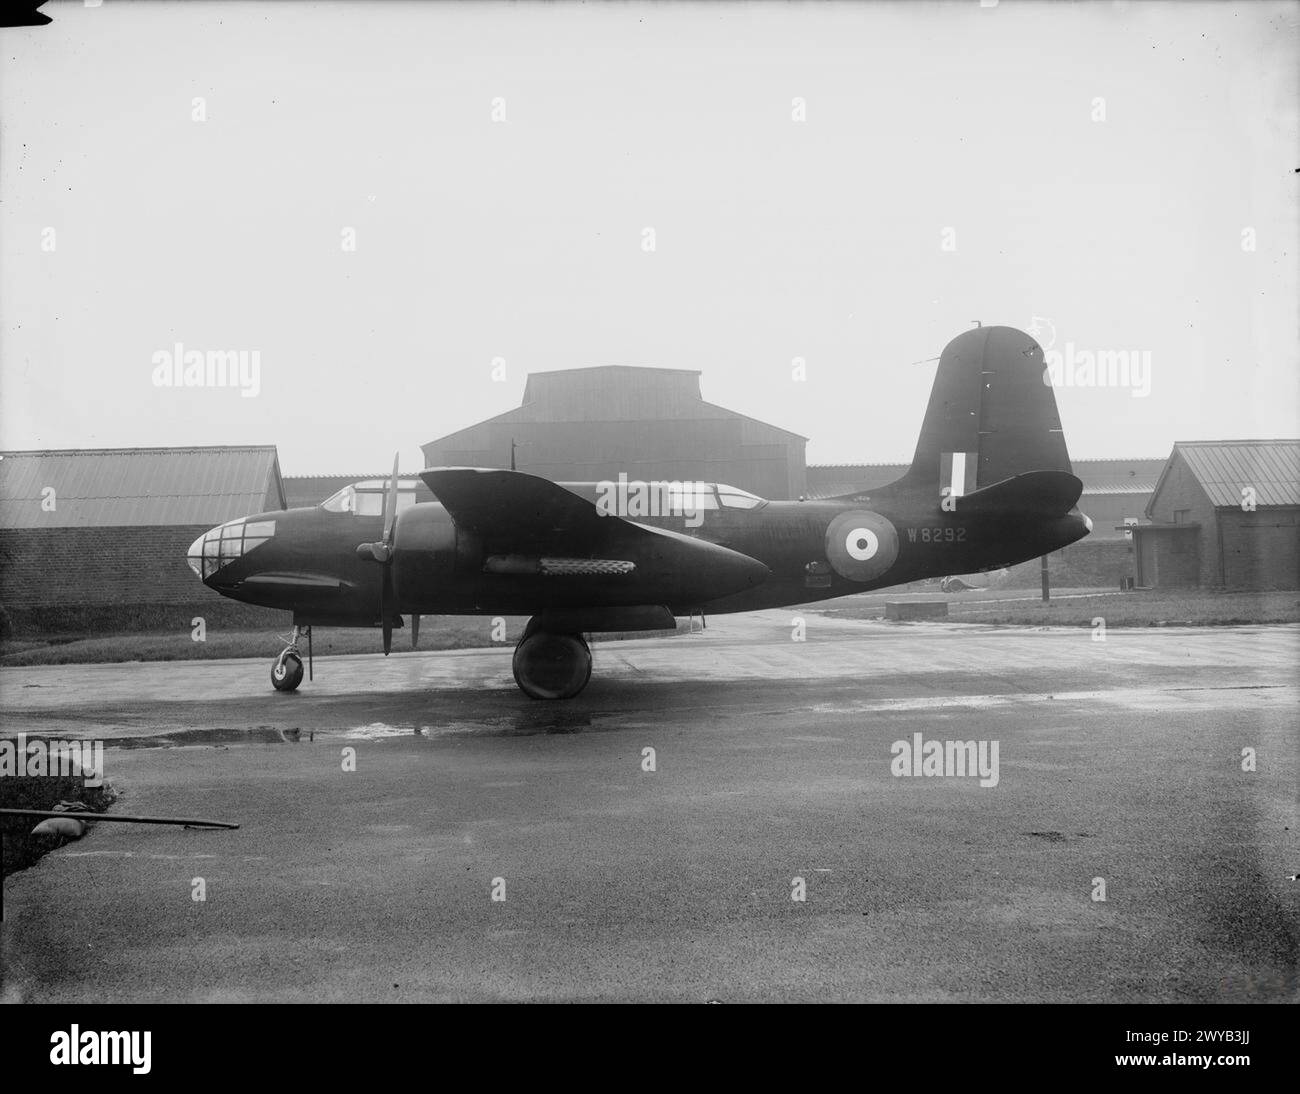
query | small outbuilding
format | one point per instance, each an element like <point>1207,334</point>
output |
<point>1223,514</point>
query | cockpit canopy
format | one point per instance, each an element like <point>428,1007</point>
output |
<point>366,498</point>
<point>733,497</point>
<point>657,497</point>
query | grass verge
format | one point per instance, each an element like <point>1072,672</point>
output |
<point>437,632</point>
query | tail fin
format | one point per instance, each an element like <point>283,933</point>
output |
<point>992,415</point>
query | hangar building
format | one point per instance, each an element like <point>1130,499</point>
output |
<point>1225,514</point>
<point>589,424</point>
<point>101,534</point>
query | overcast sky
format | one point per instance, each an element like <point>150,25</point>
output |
<point>1105,167</point>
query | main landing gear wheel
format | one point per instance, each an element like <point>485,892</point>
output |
<point>552,666</point>
<point>286,673</point>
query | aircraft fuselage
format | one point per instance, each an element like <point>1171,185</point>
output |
<point>310,565</point>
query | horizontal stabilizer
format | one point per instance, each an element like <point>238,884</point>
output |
<point>1041,493</point>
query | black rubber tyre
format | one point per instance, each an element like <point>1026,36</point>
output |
<point>552,666</point>
<point>286,674</point>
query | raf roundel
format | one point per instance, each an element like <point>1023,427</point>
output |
<point>860,545</point>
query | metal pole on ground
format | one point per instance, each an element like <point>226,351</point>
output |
<point>1047,591</point>
<point>189,822</point>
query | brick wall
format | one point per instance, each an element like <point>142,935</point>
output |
<point>1261,550</point>
<point>1088,564</point>
<point>99,566</point>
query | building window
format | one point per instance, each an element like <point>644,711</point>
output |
<point>1181,516</point>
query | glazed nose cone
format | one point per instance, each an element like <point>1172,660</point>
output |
<point>194,556</point>
<point>227,542</point>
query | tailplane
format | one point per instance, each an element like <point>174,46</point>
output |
<point>1049,493</point>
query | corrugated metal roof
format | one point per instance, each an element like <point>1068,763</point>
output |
<point>1122,476</point>
<point>1224,468</point>
<point>1119,488</point>
<point>107,487</point>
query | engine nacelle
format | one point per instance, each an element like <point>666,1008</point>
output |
<point>861,545</point>
<point>432,557</point>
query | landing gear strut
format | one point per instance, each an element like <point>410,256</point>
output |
<point>286,670</point>
<point>551,666</point>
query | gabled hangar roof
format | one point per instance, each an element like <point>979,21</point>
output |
<point>139,487</point>
<point>1222,468</point>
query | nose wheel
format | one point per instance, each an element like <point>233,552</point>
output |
<point>286,673</point>
<point>286,670</point>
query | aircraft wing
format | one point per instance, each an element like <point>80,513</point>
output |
<point>530,525</point>
<point>526,514</point>
<point>520,512</point>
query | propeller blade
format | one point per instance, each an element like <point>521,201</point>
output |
<point>390,503</point>
<point>385,555</point>
<point>386,608</point>
<point>415,631</point>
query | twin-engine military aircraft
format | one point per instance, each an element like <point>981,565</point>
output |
<point>990,486</point>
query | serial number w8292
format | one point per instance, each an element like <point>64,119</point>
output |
<point>936,535</point>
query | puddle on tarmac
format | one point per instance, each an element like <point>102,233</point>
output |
<point>213,735</point>
<point>531,721</point>
<point>523,723</point>
<point>379,731</point>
